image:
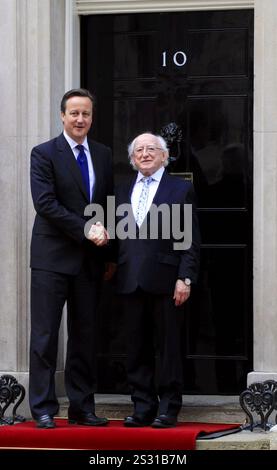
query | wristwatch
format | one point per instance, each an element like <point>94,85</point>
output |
<point>187,281</point>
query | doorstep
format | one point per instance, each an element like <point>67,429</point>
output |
<point>199,408</point>
<point>244,440</point>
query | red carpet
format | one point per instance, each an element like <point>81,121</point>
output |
<point>112,437</point>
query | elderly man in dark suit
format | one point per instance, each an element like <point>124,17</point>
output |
<point>155,280</point>
<point>67,173</point>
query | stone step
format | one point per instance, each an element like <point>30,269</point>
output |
<point>244,440</point>
<point>204,408</point>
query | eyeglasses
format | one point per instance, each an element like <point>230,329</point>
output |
<point>150,149</point>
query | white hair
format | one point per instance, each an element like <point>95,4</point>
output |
<point>162,143</point>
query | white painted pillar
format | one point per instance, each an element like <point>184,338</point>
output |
<point>32,38</point>
<point>265,192</point>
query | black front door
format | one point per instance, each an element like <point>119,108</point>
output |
<point>188,76</point>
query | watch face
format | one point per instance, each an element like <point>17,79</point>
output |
<point>187,281</point>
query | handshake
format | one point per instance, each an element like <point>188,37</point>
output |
<point>98,234</point>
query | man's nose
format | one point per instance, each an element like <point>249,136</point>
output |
<point>80,118</point>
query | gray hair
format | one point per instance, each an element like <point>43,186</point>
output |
<point>162,143</point>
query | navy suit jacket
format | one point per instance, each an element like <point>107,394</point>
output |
<point>59,196</point>
<point>154,264</point>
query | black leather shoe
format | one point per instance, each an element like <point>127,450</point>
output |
<point>45,422</point>
<point>86,419</point>
<point>164,421</point>
<point>137,421</point>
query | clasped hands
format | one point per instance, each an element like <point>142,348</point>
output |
<point>98,234</point>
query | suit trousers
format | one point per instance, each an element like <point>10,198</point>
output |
<point>49,292</point>
<point>153,322</point>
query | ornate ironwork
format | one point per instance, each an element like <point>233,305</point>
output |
<point>259,399</point>
<point>172,134</point>
<point>11,392</point>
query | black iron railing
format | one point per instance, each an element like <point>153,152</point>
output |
<point>259,401</point>
<point>12,395</point>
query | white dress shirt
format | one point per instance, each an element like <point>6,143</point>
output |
<point>75,151</point>
<point>153,186</point>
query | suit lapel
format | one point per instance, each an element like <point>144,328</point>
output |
<point>97,165</point>
<point>163,190</point>
<point>130,189</point>
<point>71,163</point>
<point>124,193</point>
<point>162,194</point>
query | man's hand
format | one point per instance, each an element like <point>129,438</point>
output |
<point>98,234</point>
<point>181,292</point>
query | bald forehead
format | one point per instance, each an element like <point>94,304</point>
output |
<point>146,139</point>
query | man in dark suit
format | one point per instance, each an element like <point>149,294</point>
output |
<point>67,173</point>
<point>155,279</point>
